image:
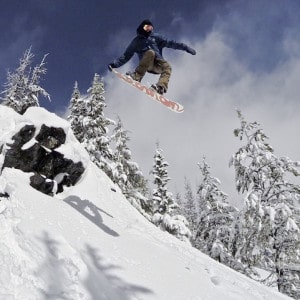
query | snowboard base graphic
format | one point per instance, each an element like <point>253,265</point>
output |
<point>172,105</point>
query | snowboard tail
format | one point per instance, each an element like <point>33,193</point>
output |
<point>172,105</point>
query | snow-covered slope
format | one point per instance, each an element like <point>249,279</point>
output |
<point>90,243</point>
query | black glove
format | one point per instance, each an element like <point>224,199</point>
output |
<point>190,50</point>
<point>110,67</point>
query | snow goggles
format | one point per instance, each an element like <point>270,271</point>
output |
<point>148,27</point>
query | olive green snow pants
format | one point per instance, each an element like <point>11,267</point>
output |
<point>150,63</point>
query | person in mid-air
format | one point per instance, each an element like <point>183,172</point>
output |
<point>148,47</point>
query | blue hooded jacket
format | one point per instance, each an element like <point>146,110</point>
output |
<point>147,41</point>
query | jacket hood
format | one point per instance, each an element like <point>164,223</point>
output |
<point>140,29</point>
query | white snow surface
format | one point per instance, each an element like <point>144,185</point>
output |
<point>90,243</point>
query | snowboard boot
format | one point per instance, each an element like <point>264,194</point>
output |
<point>158,88</point>
<point>134,75</point>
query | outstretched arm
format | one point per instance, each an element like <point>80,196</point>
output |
<point>175,45</point>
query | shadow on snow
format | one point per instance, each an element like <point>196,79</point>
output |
<point>91,212</point>
<point>62,274</point>
<point>102,284</point>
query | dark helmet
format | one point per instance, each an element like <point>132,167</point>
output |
<point>140,29</point>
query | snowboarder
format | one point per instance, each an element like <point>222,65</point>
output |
<point>148,47</point>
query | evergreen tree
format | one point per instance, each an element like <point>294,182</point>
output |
<point>245,240</point>
<point>179,201</point>
<point>215,218</point>
<point>270,234</point>
<point>77,113</point>
<point>95,127</point>
<point>127,173</point>
<point>22,88</point>
<point>34,85</point>
<point>163,201</point>
<point>163,204</point>
<point>189,207</point>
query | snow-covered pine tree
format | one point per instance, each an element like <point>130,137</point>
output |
<point>189,207</point>
<point>34,85</point>
<point>126,173</point>
<point>245,244</point>
<point>95,127</point>
<point>179,202</point>
<point>162,199</point>
<point>22,88</point>
<point>77,110</point>
<point>270,228</point>
<point>215,218</point>
<point>163,204</point>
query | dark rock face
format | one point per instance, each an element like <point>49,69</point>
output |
<point>3,195</point>
<point>51,169</point>
<point>51,137</point>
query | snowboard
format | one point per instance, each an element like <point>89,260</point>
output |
<point>172,105</point>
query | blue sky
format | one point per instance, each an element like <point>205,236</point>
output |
<point>82,37</point>
<point>248,57</point>
<point>78,34</point>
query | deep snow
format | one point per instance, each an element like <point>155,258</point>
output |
<point>90,243</point>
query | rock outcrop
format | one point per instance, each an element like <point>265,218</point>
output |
<point>36,153</point>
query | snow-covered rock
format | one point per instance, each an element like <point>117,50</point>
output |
<point>35,148</point>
